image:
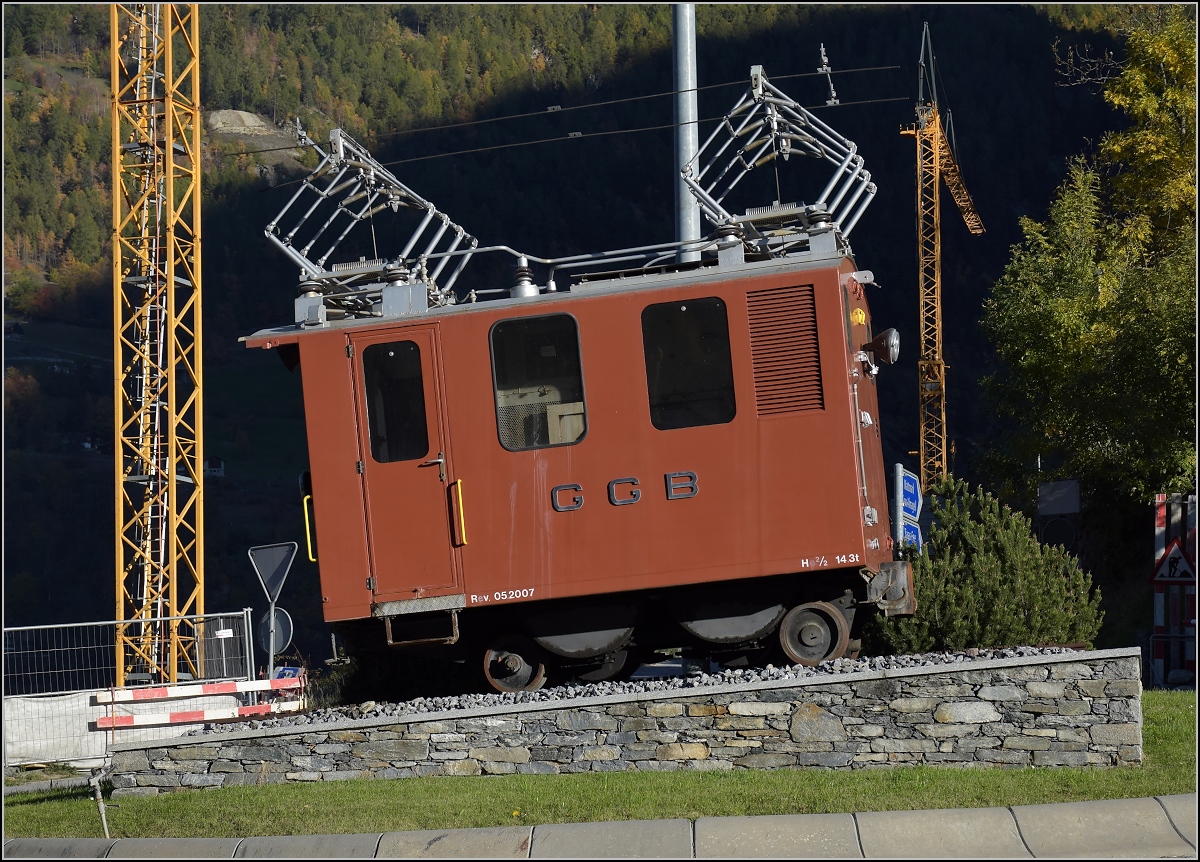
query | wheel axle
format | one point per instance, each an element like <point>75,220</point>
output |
<point>814,632</point>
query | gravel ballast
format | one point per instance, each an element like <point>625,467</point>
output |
<point>691,684</point>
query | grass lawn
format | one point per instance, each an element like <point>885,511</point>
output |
<point>1169,739</point>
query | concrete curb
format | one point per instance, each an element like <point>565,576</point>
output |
<point>52,784</point>
<point>1103,829</point>
<point>952,833</point>
<point>625,839</point>
<point>175,848</point>
<point>309,847</point>
<point>498,842</point>
<point>1182,812</point>
<point>58,848</point>
<point>780,836</point>
<point>1154,827</point>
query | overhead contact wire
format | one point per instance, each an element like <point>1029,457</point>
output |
<point>558,110</point>
<point>575,136</point>
<point>582,135</point>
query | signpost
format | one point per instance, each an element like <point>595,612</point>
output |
<point>283,629</point>
<point>1173,566</point>
<point>1173,644</point>
<point>271,564</point>
<point>907,508</point>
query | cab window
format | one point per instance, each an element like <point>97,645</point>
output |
<point>689,371</point>
<point>538,382</point>
<point>395,401</point>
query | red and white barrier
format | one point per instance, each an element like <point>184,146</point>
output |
<point>198,715</point>
<point>293,686</point>
<point>134,695</point>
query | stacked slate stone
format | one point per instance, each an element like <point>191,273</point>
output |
<point>1080,709</point>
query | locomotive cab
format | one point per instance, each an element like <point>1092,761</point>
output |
<point>564,480</point>
<point>694,455</point>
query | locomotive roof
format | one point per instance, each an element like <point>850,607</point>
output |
<point>712,271</point>
<point>349,187</point>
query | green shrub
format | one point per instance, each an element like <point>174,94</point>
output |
<point>983,580</point>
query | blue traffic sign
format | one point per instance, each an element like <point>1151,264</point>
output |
<point>910,495</point>
<point>906,489</point>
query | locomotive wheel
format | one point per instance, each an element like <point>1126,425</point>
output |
<point>512,664</point>
<point>814,632</point>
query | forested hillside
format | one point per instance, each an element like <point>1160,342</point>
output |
<point>403,80</point>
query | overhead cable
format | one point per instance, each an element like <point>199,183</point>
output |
<point>554,109</point>
<point>582,135</point>
<point>573,136</point>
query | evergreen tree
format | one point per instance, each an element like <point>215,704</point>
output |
<point>983,580</point>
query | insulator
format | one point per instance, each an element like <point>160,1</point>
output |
<point>524,285</point>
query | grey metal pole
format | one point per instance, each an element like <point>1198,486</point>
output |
<point>687,134</point>
<point>248,642</point>
<point>271,660</point>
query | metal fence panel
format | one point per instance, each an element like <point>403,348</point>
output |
<point>82,656</point>
<point>59,659</point>
<point>52,672</point>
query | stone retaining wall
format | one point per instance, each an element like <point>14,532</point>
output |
<point>1080,709</point>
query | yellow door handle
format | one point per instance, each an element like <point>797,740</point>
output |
<point>308,529</point>
<point>462,518</point>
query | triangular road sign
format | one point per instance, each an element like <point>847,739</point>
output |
<point>271,564</point>
<point>1174,567</point>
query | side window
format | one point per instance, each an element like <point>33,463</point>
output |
<point>395,401</point>
<point>538,382</point>
<point>689,372</point>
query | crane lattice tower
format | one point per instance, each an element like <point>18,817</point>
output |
<point>935,162</point>
<point>155,66</point>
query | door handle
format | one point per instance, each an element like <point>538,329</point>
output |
<point>440,460</point>
<point>308,528</point>
<point>462,518</point>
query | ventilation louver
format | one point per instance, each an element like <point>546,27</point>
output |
<point>783,350</point>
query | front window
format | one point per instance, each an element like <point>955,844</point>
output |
<point>395,401</point>
<point>689,372</point>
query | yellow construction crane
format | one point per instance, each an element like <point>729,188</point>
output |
<point>155,65</point>
<point>935,159</point>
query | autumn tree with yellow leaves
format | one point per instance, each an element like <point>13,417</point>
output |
<point>1094,318</point>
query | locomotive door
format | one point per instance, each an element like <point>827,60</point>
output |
<point>405,457</point>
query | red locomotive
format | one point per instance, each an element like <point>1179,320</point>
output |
<point>683,452</point>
